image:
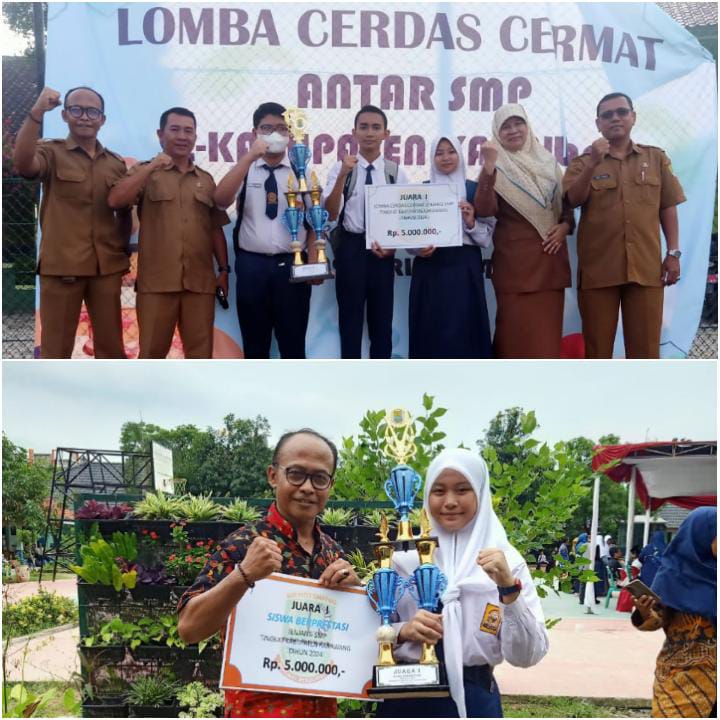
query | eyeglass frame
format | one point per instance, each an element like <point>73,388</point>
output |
<point>307,476</point>
<point>621,112</point>
<point>83,111</point>
<point>266,129</point>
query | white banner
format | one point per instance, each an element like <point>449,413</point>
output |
<point>434,69</point>
<point>290,635</point>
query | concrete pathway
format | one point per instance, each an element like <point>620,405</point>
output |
<point>598,655</point>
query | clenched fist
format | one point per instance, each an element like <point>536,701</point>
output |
<point>258,148</point>
<point>598,150</point>
<point>263,558</point>
<point>161,161</point>
<point>489,153</point>
<point>348,163</point>
<point>48,100</point>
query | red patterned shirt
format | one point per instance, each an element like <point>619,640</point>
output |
<point>295,561</point>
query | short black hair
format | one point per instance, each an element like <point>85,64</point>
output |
<point>267,108</point>
<point>305,431</point>
<point>176,111</point>
<point>85,87</point>
<point>371,109</point>
<point>612,96</point>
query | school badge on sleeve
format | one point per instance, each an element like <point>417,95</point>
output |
<point>491,619</point>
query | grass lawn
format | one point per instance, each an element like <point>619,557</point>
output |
<point>515,706</point>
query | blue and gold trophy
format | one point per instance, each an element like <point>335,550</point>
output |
<point>426,678</point>
<point>299,153</point>
<point>292,219</point>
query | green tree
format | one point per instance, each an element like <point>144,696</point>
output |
<point>20,17</point>
<point>25,489</point>
<point>507,432</point>
<point>363,466</point>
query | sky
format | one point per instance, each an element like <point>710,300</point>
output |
<point>84,404</point>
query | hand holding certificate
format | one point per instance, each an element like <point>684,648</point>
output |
<point>412,216</point>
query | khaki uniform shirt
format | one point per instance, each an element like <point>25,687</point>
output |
<point>619,233</point>
<point>177,220</point>
<point>81,234</point>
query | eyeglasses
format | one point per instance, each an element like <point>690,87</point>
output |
<point>620,112</point>
<point>77,111</point>
<point>297,476</point>
<point>269,129</point>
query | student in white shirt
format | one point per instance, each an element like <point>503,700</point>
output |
<point>490,609</point>
<point>266,299</point>
<point>363,277</point>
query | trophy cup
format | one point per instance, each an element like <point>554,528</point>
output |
<point>299,153</point>
<point>426,678</point>
<point>291,219</point>
<point>317,216</point>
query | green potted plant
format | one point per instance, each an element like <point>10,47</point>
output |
<point>337,522</point>
<point>153,696</point>
<point>240,512</point>
<point>199,702</point>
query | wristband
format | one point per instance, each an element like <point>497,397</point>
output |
<point>32,117</point>
<point>510,590</point>
<point>244,576</point>
<point>224,268</point>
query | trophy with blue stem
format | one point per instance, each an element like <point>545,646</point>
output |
<point>292,219</point>
<point>299,153</point>
<point>426,678</point>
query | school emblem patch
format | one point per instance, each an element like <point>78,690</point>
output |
<point>491,619</point>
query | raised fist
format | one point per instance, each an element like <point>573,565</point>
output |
<point>48,100</point>
<point>489,153</point>
<point>348,163</point>
<point>161,161</point>
<point>599,149</point>
<point>258,148</point>
<point>263,558</point>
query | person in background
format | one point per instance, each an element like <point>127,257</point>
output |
<point>650,557</point>
<point>686,582</point>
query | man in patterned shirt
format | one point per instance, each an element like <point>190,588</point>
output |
<point>287,540</point>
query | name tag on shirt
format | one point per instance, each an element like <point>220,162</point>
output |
<point>601,177</point>
<point>255,185</point>
<point>491,619</point>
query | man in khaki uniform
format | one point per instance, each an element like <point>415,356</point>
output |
<point>83,251</point>
<point>180,231</point>
<point>626,192</point>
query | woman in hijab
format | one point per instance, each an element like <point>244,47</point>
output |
<point>650,557</point>
<point>520,184</point>
<point>490,609</point>
<point>686,583</point>
<point>448,312</point>
<point>600,586</point>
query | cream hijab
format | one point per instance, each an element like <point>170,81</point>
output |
<point>456,555</point>
<point>529,179</point>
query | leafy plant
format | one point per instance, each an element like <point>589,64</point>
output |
<point>152,575</point>
<point>153,691</point>
<point>374,517</point>
<point>37,612</point>
<point>198,508</point>
<point>239,511</point>
<point>415,516</point>
<point>186,558</point>
<point>363,568</point>
<point>200,701</point>
<point>26,703</point>
<point>147,631</point>
<point>158,506</point>
<point>336,516</point>
<point>109,563</point>
<point>94,510</point>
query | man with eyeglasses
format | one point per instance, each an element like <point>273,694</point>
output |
<point>266,300</point>
<point>626,192</point>
<point>84,245</point>
<point>287,540</point>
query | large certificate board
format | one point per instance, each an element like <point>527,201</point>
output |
<point>412,216</point>
<point>290,635</point>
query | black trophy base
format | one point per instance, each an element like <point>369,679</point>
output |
<point>310,271</point>
<point>393,682</point>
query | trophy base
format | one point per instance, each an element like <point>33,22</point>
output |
<point>310,271</point>
<point>408,681</point>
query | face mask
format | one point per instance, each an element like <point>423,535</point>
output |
<point>276,142</point>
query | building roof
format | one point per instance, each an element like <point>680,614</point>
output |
<point>692,14</point>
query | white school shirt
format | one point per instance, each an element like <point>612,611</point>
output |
<point>521,639</point>
<point>258,233</point>
<point>355,211</point>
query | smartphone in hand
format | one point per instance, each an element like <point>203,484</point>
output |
<point>221,298</point>
<point>637,588</point>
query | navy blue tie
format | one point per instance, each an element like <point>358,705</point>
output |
<point>368,175</point>
<point>271,193</point>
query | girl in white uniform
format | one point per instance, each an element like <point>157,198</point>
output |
<point>490,609</point>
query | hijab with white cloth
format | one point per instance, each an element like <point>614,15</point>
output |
<point>457,554</point>
<point>529,179</point>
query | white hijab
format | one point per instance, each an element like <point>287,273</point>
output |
<point>457,176</point>
<point>456,556</point>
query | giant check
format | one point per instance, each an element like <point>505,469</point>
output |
<point>412,216</point>
<point>290,635</point>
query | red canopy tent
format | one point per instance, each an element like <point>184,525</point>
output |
<point>681,473</point>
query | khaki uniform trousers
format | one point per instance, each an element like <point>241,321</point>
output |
<point>60,303</point>
<point>159,313</point>
<point>642,309</point>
